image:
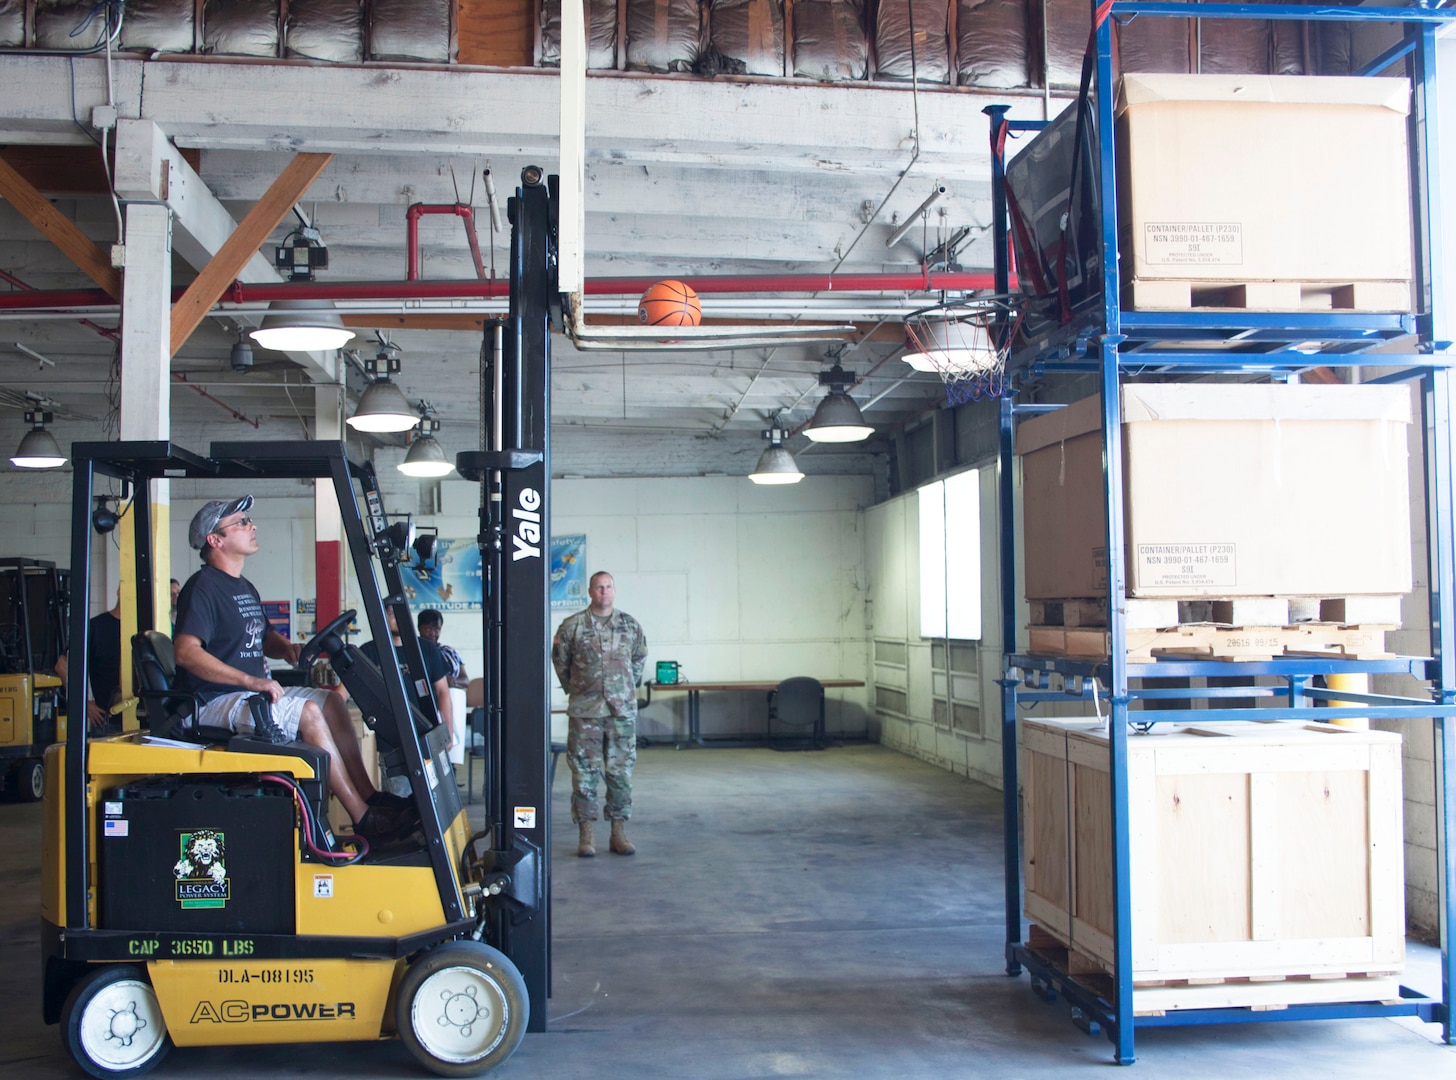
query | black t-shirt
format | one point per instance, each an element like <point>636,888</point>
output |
<point>103,663</point>
<point>226,613</point>
<point>436,666</point>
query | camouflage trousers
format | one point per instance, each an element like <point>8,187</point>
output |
<point>596,747</point>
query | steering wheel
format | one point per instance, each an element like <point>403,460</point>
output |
<point>326,640</point>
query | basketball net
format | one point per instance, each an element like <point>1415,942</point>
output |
<point>965,348</point>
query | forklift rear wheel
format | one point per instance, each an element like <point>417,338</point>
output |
<point>27,780</point>
<point>112,1024</point>
<point>462,1009</point>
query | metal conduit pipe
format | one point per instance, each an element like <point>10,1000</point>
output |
<point>242,293</point>
<point>412,234</point>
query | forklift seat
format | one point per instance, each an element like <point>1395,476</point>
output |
<point>170,709</point>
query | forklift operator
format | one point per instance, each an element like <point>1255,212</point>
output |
<point>222,640</point>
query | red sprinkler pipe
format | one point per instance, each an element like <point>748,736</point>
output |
<point>241,293</point>
<point>412,234</point>
<point>924,281</point>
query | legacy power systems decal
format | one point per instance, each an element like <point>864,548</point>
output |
<point>202,880</point>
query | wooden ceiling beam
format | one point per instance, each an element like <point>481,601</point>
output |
<point>68,170</point>
<point>222,270</point>
<point>59,230</point>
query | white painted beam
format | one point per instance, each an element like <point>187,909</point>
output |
<point>150,169</point>
<point>516,114</point>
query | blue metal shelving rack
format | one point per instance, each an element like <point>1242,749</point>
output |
<point>1123,341</point>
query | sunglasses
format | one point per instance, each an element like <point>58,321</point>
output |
<point>222,529</point>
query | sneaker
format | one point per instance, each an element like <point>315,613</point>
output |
<point>382,829</point>
<point>384,800</point>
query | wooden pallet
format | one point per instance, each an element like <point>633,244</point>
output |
<point>1156,613</point>
<point>1258,993</point>
<point>1159,294</point>
<point>1206,641</point>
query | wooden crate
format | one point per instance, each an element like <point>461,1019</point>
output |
<point>1259,852</point>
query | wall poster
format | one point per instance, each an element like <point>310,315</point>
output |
<point>568,571</point>
<point>450,580</point>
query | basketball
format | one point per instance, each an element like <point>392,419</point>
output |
<point>670,303</point>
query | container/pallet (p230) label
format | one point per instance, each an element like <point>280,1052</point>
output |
<point>1171,565</point>
<point>1194,243</point>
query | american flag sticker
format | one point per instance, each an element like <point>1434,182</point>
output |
<point>116,827</point>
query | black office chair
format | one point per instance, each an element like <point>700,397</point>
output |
<point>797,703</point>
<point>476,725</point>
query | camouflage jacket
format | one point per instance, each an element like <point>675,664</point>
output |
<point>599,662</point>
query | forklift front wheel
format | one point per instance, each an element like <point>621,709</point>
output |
<point>28,780</point>
<point>112,1024</point>
<point>462,1009</point>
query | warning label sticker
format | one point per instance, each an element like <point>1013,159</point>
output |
<point>1194,243</point>
<point>1172,565</point>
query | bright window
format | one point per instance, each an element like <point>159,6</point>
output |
<point>950,557</point>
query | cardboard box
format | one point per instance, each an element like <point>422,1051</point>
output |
<point>1229,490</point>
<point>1252,178</point>
<point>1258,851</point>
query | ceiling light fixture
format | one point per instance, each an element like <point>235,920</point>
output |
<point>302,326</point>
<point>241,357</point>
<point>838,419</point>
<point>426,458</point>
<point>383,406</point>
<point>776,465</point>
<point>38,449</point>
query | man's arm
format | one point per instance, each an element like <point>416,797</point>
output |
<point>561,656</point>
<point>95,714</point>
<point>444,707</point>
<point>198,661</point>
<point>278,647</point>
<point>639,656</point>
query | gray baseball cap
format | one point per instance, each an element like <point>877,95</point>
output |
<point>206,519</point>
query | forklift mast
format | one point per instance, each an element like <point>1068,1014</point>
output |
<point>514,470</point>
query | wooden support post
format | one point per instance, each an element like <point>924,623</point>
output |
<point>243,244</point>
<point>59,230</point>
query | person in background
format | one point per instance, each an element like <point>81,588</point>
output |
<point>176,589</point>
<point>430,623</point>
<point>437,670</point>
<point>222,642</point>
<point>103,670</point>
<point>599,654</point>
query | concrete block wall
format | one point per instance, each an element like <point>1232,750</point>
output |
<point>1418,744</point>
<point>734,582</point>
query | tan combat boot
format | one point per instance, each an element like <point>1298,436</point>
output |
<point>620,844</point>
<point>586,846</point>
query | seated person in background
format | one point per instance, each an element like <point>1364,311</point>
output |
<point>222,641</point>
<point>431,622</point>
<point>436,674</point>
<point>103,670</point>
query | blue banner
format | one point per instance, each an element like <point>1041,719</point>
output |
<point>450,581</point>
<point>568,572</point>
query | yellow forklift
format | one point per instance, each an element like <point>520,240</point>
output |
<point>192,891</point>
<point>33,607</point>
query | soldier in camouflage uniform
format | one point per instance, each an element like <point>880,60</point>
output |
<point>599,654</point>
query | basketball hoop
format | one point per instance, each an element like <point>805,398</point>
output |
<point>966,347</point>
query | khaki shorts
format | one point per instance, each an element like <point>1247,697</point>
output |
<point>231,710</point>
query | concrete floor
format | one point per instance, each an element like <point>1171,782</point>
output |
<point>787,915</point>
